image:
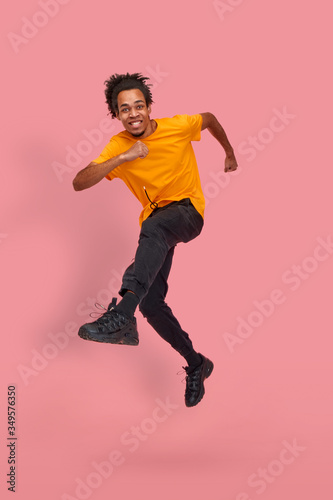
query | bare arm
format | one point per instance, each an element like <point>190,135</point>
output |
<point>210,122</point>
<point>95,172</point>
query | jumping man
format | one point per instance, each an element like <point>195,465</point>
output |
<point>156,161</point>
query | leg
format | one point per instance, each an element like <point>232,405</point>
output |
<point>159,314</point>
<point>147,279</point>
<point>160,317</point>
<point>166,226</point>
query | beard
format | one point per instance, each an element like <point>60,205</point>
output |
<point>139,134</point>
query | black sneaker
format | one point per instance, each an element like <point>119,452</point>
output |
<point>112,327</point>
<point>195,381</point>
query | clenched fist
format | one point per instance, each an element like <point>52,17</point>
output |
<point>230,164</point>
<point>138,150</point>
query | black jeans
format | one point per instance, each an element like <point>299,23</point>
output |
<point>147,276</point>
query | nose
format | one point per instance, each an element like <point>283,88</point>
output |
<point>133,112</point>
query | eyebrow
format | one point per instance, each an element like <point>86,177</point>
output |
<point>125,104</point>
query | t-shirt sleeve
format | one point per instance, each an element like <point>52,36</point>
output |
<point>110,151</point>
<point>195,123</point>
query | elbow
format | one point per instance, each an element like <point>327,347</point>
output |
<point>211,119</point>
<point>76,185</point>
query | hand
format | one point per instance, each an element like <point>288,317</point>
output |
<point>138,150</point>
<point>230,163</point>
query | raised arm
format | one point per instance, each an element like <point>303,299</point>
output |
<point>95,172</point>
<point>210,122</point>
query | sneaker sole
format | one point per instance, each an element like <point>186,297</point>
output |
<point>126,338</point>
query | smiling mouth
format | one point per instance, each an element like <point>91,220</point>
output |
<point>136,123</point>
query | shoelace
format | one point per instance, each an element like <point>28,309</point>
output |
<point>181,373</point>
<point>96,314</point>
<point>192,379</point>
<point>110,317</point>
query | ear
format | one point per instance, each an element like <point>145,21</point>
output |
<point>117,115</point>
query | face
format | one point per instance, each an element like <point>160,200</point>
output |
<point>134,113</point>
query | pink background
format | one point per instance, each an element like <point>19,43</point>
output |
<point>61,251</point>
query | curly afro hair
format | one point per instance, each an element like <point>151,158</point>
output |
<point>116,83</point>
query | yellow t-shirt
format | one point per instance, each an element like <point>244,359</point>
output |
<point>169,172</point>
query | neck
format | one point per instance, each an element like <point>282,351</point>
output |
<point>149,130</point>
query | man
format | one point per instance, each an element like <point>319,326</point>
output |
<point>156,161</point>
